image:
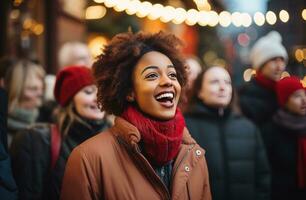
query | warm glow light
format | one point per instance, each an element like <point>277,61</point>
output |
<point>248,73</point>
<point>304,14</point>
<point>202,5</point>
<point>192,17</point>
<point>284,16</point>
<point>133,7</point>
<point>95,12</point>
<point>224,18</point>
<point>271,17</point>
<point>168,14</point>
<point>96,45</point>
<point>204,18</point>
<point>144,9</point>
<point>304,82</point>
<point>122,5</point>
<point>155,11</point>
<point>17,2</point>
<point>299,55</point>
<point>38,29</point>
<point>285,74</point>
<point>111,3</point>
<point>236,19</point>
<point>246,19</point>
<point>15,14</point>
<point>259,19</point>
<point>180,16</point>
<point>99,1</point>
<point>27,24</point>
<point>213,18</point>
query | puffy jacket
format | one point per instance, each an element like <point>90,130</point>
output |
<point>111,166</point>
<point>257,103</point>
<point>236,157</point>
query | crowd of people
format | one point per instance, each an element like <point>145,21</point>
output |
<point>145,121</point>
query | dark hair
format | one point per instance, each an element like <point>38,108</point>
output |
<point>114,67</point>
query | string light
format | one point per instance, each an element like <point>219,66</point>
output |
<point>225,18</point>
<point>304,14</point>
<point>192,17</point>
<point>236,19</point>
<point>95,12</point>
<point>284,16</point>
<point>167,14</point>
<point>155,12</point>
<point>203,16</point>
<point>246,19</point>
<point>259,19</point>
<point>180,16</point>
<point>144,9</point>
<point>271,17</point>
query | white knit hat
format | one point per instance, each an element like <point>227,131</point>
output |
<point>266,48</point>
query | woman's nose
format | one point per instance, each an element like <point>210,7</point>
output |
<point>165,81</point>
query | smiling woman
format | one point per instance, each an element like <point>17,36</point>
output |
<point>148,153</point>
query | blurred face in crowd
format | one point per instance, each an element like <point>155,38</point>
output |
<point>31,97</point>
<point>297,102</point>
<point>193,70</point>
<point>274,68</point>
<point>216,89</point>
<point>85,102</point>
<point>156,89</point>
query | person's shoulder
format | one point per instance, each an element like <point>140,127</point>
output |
<point>248,87</point>
<point>102,142</point>
<point>36,131</point>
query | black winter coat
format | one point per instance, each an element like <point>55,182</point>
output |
<point>236,158</point>
<point>8,188</point>
<point>257,103</point>
<point>282,151</point>
<point>31,157</point>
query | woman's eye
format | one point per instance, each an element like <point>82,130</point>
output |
<point>89,91</point>
<point>173,75</point>
<point>151,76</point>
<point>228,82</point>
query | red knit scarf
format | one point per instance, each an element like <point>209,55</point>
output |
<point>264,81</point>
<point>161,139</point>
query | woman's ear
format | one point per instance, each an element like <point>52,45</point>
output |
<point>130,97</point>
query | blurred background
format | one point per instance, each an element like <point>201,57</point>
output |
<point>219,32</point>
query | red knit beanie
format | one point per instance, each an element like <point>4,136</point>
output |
<point>285,87</point>
<point>70,81</point>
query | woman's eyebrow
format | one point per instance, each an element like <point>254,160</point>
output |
<point>149,67</point>
<point>154,67</point>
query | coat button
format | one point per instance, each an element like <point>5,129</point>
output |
<point>187,169</point>
<point>198,152</point>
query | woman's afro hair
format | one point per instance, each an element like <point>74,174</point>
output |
<point>114,67</point>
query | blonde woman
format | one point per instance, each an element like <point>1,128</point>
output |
<point>38,158</point>
<point>24,84</point>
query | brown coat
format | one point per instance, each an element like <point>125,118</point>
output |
<point>110,166</point>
